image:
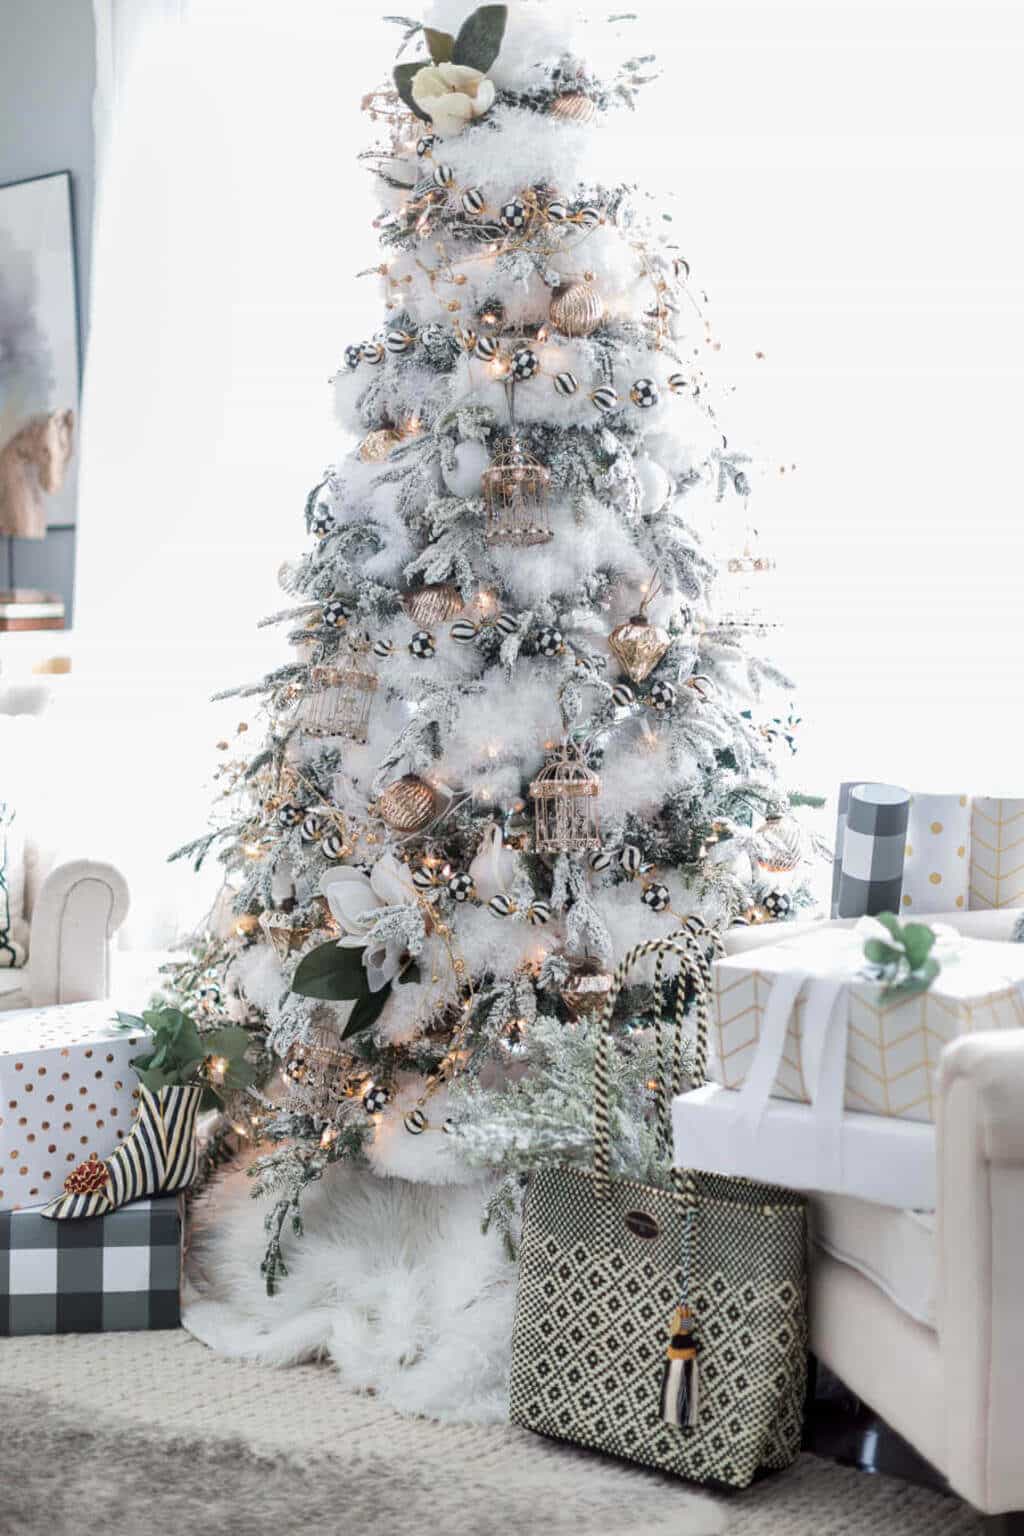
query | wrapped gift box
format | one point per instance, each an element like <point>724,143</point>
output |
<point>106,1273</point>
<point>892,1048</point>
<point>891,1162</point>
<point>67,1090</point>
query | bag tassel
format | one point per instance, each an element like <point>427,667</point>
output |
<point>679,1377</point>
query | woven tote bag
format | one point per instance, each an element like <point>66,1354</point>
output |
<point>623,1285</point>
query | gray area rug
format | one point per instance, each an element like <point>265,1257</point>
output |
<point>134,1433</point>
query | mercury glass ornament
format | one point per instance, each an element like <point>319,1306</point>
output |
<point>564,796</point>
<point>586,992</point>
<point>286,932</point>
<point>433,604</point>
<point>376,446</point>
<point>638,646</point>
<point>408,805</point>
<point>577,309</point>
<point>340,698</point>
<point>574,108</point>
<point>779,845</point>
<point>515,492</point>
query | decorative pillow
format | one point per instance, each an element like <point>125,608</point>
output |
<point>13,928</point>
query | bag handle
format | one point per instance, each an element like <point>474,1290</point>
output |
<point>693,968</point>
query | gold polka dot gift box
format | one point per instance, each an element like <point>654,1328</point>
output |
<point>67,1093</point>
<point>892,1046</point>
<point>936,868</point>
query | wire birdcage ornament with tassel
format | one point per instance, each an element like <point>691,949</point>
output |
<point>565,795</point>
<point>515,492</point>
<point>341,697</point>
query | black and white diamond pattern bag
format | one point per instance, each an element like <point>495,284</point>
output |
<point>664,1325</point>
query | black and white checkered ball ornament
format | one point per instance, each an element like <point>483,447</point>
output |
<point>662,696</point>
<point>605,398</point>
<point>289,815</point>
<point>656,896</point>
<point>322,521</point>
<point>473,199</point>
<point>375,1099</point>
<point>513,214</point>
<point>399,341</point>
<point>550,641</point>
<point>777,904</point>
<point>422,645</point>
<point>332,846</point>
<point>425,144</point>
<point>557,212</point>
<point>443,175</point>
<point>525,363</point>
<point>464,631</point>
<point>622,695</point>
<point>538,913</point>
<point>383,648</point>
<point>353,356</point>
<point>334,614</point>
<point>630,859</point>
<point>566,383</point>
<point>644,394</point>
<point>678,383</point>
<point>460,886</point>
<point>310,828</point>
<point>372,352</point>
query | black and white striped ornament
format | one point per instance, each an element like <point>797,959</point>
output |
<point>372,352</point>
<point>630,859</point>
<point>605,398</point>
<point>422,645</point>
<point>557,212</point>
<point>678,383</point>
<point>383,648</point>
<point>550,641</point>
<point>334,614</point>
<point>525,363</point>
<point>587,217</point>
<point>506,623</point>
<point>310,828</point>
<point>644,394</point>
<point>538,913</point>
<point>473,199</point>
<point>332,846</point>
<point>513,214</point>
<point>662,696</point>
<point>425,877</point>
<point>501,905</point>
<point>353,356</point>
<point>566,383</point>
<point>464,631</point>
<point>443,175</point>
<point>289,815</point>
<point>460,886</point>
<point>399,341</point>
<point>425,144</point>
<point>622,695</point>
<point>375,1099</point>
<point>487,347</point>
<point>600,859</point>
<point>656,896</point>
<point>322,521</point>
<point>415,1122</point>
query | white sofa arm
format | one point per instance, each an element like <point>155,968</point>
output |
<point>980,1254</point>
<point>79,907</point>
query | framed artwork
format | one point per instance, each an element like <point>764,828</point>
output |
<point>39,366</point>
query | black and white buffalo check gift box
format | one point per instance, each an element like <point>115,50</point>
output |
<point>102,1274</point>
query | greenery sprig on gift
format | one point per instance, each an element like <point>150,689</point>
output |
<point>181,1057</point>
<point>902,960</point>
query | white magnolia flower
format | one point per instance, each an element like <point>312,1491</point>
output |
<point>355,900</point>
<point>452,94</point>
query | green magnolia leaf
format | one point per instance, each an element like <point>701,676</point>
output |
<point>403,75</point>
<point>440,45</point>
<point>331,973</point>
<point>411,973</point>
<point>918,940</point>
<point>479,41</point>
<point>159,1057</point>
<point>880,953</point>
<point>891,921</point>
<point>366,1012</point>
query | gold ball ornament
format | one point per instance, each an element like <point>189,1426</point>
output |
<point>375,447</point>
<point>577,309</point>
<point>586,992</point>
<point>408,805</point>
<point>638,646</point>
<point>779,845</point>
<point>433,604</point>
<point>574,108</point>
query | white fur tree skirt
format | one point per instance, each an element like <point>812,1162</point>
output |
<point>393,1282</point>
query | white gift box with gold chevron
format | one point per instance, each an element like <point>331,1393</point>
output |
<point>891,1047</point>
<point>67,1091</point>
<point>997,854</point>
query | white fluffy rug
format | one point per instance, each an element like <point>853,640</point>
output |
<point>393,1282</point>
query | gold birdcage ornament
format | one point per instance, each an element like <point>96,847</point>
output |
<point>564,796</point>
<point>515,492</point>
<point>341,697</point>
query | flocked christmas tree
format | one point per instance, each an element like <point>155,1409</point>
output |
<point>513,738</point>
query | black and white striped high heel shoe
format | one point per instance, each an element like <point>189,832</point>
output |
<point>158,1156</point>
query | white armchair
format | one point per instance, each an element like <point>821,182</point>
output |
<point>73,909</point>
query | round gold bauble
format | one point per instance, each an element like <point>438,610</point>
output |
<point>779,845</point>
<point>638,646</point>
<point>577,309</point>
<point>433,604</point>
<point>408,805</point>
<point>376,446</point>
<point>586,992</point>
<point>574,108</point>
